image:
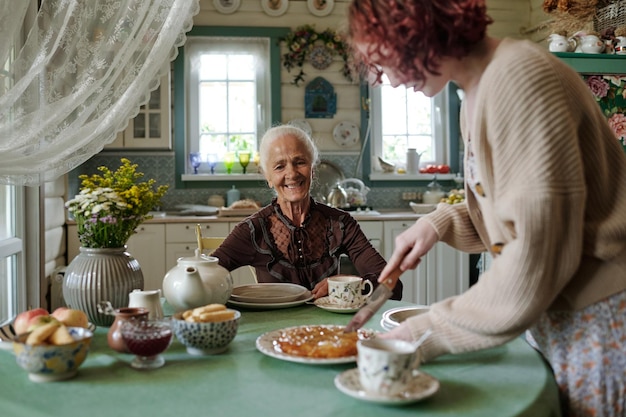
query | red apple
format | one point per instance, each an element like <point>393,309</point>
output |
<point>40,320</point>
<point>71,317</point>
<point>22,320</point>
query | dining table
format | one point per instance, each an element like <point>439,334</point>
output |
<point>508,380</point>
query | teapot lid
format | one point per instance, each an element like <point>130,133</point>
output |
<point>198,258</point>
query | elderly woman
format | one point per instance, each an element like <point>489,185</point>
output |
<point>296,239</point>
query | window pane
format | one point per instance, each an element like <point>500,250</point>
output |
<point>8,292</point>
<point>7,215</point>
<point>213,114</point>
<point>241,67</point>
<point>405,122</point>
<point>241,107</point>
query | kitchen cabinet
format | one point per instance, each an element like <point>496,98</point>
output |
<point>151,128</point>
<point>181,239</point>
<point>147,246</point>
<point>442,273</point>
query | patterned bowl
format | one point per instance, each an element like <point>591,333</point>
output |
<point>205,338</point>
<point>45,363</point>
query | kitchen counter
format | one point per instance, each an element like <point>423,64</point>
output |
<point>381,215</point>
<point>170,217</point>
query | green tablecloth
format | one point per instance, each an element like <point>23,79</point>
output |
<point>511,380</point>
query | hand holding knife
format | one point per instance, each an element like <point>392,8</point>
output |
<point>375,301</point>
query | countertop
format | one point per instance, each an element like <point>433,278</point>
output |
<point>375,215</point>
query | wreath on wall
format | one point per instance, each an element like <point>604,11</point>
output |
<point>319,48</point>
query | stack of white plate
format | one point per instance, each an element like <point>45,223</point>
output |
<point>267,293</point>
<point>393,317</point>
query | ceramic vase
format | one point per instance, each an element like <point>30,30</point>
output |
<point>103,274</point>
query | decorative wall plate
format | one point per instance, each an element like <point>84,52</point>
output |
<point>274,7</point>
<point>320,57</point>
<point>346,134</point>
<point>302,124</point>
<point>320,7</point>
<point>227,6</point>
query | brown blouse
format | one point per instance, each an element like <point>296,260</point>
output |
<point>282,252</point>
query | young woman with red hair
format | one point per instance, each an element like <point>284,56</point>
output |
<point>546,196</point>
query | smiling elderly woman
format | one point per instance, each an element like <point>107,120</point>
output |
<point>296,239</point>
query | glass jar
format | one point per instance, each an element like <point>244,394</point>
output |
<point>434,193</point>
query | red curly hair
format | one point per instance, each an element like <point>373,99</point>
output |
<point>405,32</point>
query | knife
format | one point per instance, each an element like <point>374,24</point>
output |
<point>374,302</point>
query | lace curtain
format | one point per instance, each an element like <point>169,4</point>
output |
<point>83,71</point>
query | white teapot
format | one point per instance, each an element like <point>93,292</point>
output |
<point>356,196</point>
<point>196,281</point>
<point>560,43</point>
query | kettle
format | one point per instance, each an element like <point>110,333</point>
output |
<point>356,196</point>
<point>338,197</point>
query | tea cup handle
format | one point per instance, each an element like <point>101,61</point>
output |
<point>367,283</point>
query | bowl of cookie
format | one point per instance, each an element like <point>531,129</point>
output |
<point>206,330</point>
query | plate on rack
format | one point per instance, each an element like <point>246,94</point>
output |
<point>307,296</point>
<point>320,8</point>
<point>226,6</point>
<point>302,124</point>
<point>274,7</point>
<point>422,386</point>
<point>325,304</point>
<point>266,345</point>
<point>268,293</point>
<point>346,134</point>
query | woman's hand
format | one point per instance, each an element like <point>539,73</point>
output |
<point>321,289</point>
<point>401,332</point>
<point>410,246</point>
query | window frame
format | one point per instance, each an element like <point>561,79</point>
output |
<point>452,143</point>
<point>180,94</point>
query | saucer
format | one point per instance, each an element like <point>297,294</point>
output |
<point>422,386</point>
<point>324,302</point>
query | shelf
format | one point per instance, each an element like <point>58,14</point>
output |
<point>222,177</point>
<point>594,63</point>
<point>390,176</point>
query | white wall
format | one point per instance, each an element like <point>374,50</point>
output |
<point>510,17</point>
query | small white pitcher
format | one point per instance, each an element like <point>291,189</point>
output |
<point>560,43</point>
<point>150,300</point>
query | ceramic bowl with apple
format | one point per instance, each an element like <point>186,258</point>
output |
<point>48,362</point>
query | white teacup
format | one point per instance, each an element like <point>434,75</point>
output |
<point>386,366</point>
<point>347,290</point>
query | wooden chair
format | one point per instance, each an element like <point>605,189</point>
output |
<point>209,244</point>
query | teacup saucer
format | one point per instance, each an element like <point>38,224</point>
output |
<point>422,386</point>
<point>324,302</point>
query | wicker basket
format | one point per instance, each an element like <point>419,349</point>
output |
<point>611,16</point>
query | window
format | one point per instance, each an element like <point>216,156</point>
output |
<point>403,119</point>
<point>11,250</point>
<point>237,83</point>
<point>228,100</point>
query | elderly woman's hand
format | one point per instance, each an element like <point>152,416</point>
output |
<point>321,289</point>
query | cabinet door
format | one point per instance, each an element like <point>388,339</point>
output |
<point>442,273</point>
<point>414,281</point>
<point>147,246</point>
<point>151,128</point>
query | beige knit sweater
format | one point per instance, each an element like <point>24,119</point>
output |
<point>554,181</point>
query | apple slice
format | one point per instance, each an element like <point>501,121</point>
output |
<point>42,333</point>
<point>61,336</point>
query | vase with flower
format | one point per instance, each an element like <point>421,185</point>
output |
<point>107,211</point>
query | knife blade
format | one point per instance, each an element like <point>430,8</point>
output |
<point>380,295</point>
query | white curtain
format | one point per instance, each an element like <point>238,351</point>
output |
<point>82,72</point>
